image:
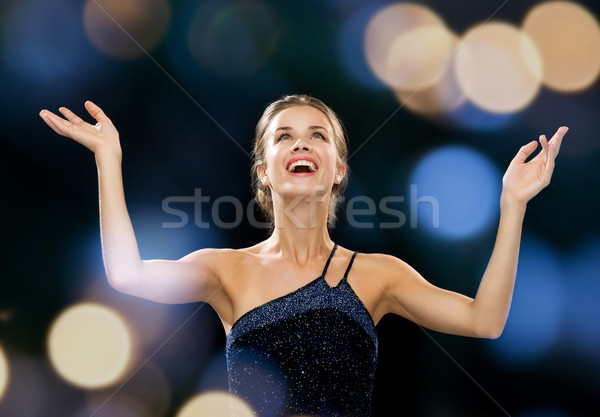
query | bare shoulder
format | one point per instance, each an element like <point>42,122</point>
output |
<point>375,277</point>
<point>383,268</point>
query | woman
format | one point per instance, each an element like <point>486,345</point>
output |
<point>297,344</point>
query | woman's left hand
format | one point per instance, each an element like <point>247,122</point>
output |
<point>522,181</point>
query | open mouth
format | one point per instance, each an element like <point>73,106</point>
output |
<point>302,166</point>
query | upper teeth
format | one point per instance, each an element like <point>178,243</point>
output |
<point>302,162</point>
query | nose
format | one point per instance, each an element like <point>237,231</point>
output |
<point>301,144</point>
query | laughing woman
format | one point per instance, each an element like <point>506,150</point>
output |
<point>299,310</point>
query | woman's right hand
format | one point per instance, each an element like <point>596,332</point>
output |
<point>100,138</point>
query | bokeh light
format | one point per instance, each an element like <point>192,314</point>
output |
<point>350,40</point>
<point>4,372</point>
<point>390,52</point>
<point>538,305</point>
<point>251,29</point>
<point>419,57</point>
<point>583,267</point>
<point>455,188</point>
<point>89,345</point>
<point>126,29</point>
<point>498,67</point>
<point>215,403</point>
<point>444,95</point>
<point>568,38</point>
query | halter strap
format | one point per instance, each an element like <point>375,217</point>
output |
<point>349,266</point>
<point>329,259</point>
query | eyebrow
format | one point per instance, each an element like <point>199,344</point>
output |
<point>291,128</point>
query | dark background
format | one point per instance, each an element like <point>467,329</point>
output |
<point>187,124</point>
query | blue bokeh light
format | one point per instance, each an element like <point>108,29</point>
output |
<point>538,306</point>
<point>456,188</point>
<point>583,271</point>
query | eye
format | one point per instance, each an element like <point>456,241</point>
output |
<point>318,136</point>
<point>283,136</point>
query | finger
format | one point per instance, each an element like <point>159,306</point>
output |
<point>543,154</point>
<point>545,147</point>
<point>45,113</point>
<point>71,117</point>
<point>556,140</point>
<point>96,112</point>
<point>525,151</point>
<point>548,158</point>
<point>56,123</point>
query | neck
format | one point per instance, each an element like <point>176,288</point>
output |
<point>301,227</point>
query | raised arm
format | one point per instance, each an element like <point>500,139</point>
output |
<point>411,296</point>
<point>192,278</point>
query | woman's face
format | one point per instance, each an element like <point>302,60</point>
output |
<point>300,153</point>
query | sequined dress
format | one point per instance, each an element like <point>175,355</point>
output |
<point>310,352</point>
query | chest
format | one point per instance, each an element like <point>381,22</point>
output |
<point>261,282</point>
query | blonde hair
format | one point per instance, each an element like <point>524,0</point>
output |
<point>262,193</point>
